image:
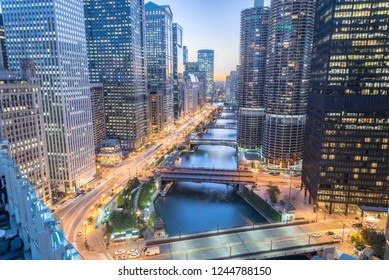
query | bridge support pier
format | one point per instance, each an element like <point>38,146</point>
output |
<point>158,180</point>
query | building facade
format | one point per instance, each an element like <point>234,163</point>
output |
<point>116,53</point>
<point>288,54</point>
<point>34,234</point>
<point>21,124</point>
<point>252,76</point>
<point>206,60</point>
<point>185,54</point>
<point>98,113</point>
<point>3,48</point>
<point>52,34</point>
<point>178,70</point>
<point>159,44</point>
<point>346,158</point>
<point>156,109</point>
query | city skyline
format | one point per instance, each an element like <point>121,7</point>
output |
<point>211,25</point>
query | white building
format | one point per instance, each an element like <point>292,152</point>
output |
<point>30,220</point>
<point>52,34</point>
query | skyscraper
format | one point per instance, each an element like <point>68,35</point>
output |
<point>21,124</point>
<point>178,69</point>
<point>52,34</point>
<point>186,55</point>
<point>346,156</point>
<point>287,76</point>
<point>98,113</point>
<point>251,89</point>
<point>3,49</point>
<point>116,52</point>
<point>206,58</point>
<point>159,44</point>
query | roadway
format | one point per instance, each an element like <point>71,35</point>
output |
<point>75,212</point>
<point>232,245</point>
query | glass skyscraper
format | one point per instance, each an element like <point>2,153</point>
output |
<point>178,70</point>
<point>346,157</point>
<point>159,45</point>
<point>287,77</point>
<point>252,76</point>
<point>206,58</point>
<point>116,52</point>
<point>52,34</point>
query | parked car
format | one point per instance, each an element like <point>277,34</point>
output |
<point>330,233</point>
<point>120,252</point>
<point>336,236</point>
<point>316,234</point>
<point>132,251</point>
<point>79,233</point>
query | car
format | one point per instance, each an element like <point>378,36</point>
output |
<point>121,257</point>
<point>120,252</point>
<point>79,233</point>
<point>336,236</point>
<point>316,234</point>
<point>131,251</point>
<point>330,233</point>
<point>357,225</point>
<point>134,255</point>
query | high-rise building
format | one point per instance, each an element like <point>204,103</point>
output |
<point>116,52</point>
<point>21,124</point>
<point>33,232</point>
<point>232,85</point>
<point>192,94</point>
<point>206,59</point>
<point>52,34</point>
<point>156,108</point>
<point>252,76</point>
<point>178,69</point>
<point>346,155</point>
<point>185,54</point>
<point>98,113</point>
<point>287,77</point>
<point>3,48</point>
<point>159,45</point>
<point>201,76</point>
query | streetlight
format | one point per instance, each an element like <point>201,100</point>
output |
<point>271,245</point>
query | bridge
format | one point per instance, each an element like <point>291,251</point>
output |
<point>249,242</point>
<point>199,175</point>
<point>212,142</point>
<point>220,126</point>
<point>220,117</point>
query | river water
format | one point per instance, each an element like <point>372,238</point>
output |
<point>192,207</point>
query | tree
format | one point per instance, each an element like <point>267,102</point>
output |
<point>122,220</point>
<point>273,192</point>
<point>376,240</point>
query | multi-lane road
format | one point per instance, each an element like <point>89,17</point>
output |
<point>74,212</point>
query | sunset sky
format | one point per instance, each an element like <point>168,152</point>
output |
<point>211,24</point>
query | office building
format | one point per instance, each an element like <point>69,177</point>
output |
<point>206,60</point>
<point>52,34</point>
<point>98,113</point>
<point>21,124</point>
<point>178,70</point>
<point>117,59</point>
<point>192,94</point>
<point>346,156</point>
<point>159,45</point>
<point>185,53</point>
<point>3,48</point>
<point>386,257</point>
<point>156,109</point>
<point>30,230</point>
<point>232,86</point>
<point>252,76</point>
<point>288,55</point>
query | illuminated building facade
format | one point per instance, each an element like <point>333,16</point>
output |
<point>159,45</point>
<point>52,34</point>
<point>21,124</point>
<point>288,54</point>
<point>178,70</point>
<point>32,233</point>
<point>346,157</point>
<point>206,60</point>
<point>116,53</point>
<point>252,76</point>
<point>98,113</point>
<point>3,49</point>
